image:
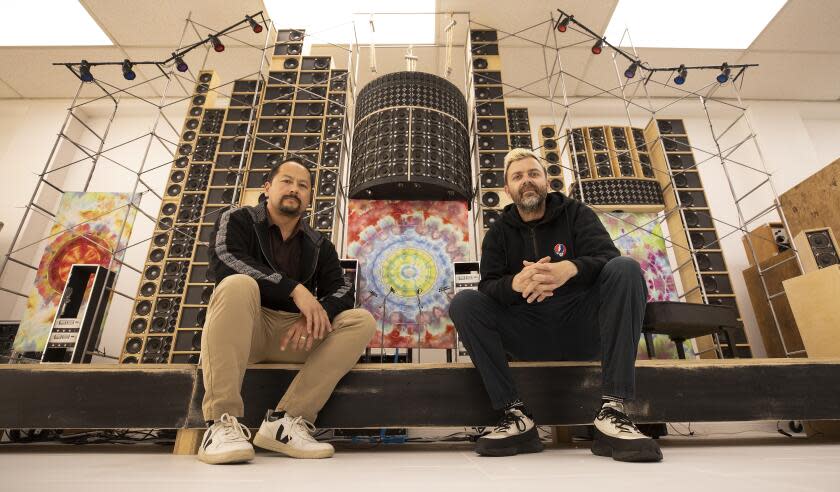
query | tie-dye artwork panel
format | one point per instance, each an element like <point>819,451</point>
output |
<point>405,251</point>
<point>639,236</point>
<point>89,225</point>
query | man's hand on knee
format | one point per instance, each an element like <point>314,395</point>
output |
<point>298,336</point>
<point>317,321</point>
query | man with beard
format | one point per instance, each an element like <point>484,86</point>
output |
<point>553,287</point>
<point>280,296</point>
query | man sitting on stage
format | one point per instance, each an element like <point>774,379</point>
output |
<point>553,287</point>
<point>280,297</point>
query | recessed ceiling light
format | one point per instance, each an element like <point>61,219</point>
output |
<point>709,24</point>
<point>56,23</point>
<point>333,21</point>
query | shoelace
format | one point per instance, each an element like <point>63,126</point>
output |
<point>618,419</point>
<point>233,430</point>
<point>308,427</point>
<point>509,419</point>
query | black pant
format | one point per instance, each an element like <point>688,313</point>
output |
<point>604,318</point>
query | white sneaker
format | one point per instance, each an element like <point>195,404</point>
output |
<point>618,437</point>
<point>226,441</point>
<point>516,433</point>
<point>291,436</point>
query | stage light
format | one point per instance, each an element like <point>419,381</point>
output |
<point>84,71</point>
<point>723,76</point>
<point>217,45</point>
<point>681,76</point>
<point>254,24</point>
<point>180,64</point>
<point>631,70</point>
<point>128,72</point>
<point>596,48</point>
<point>563,23</point>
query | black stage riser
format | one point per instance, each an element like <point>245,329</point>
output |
<point>423,395</point>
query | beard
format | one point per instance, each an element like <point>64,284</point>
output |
<point>530,202</point>
<point>284,207</point>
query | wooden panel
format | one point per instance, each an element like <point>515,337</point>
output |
<point>806,205</point>
<point>813,300</point>
<point>418,395</point>
<point>787,268</point>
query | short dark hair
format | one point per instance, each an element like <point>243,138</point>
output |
<point>276,168</point>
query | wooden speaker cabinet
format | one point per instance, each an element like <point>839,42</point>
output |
<point>818,248</point>
<point>700,263</point>
<point>768,240</point>
<point>551,156</point>
<point>614,169</point>
<point>497,127</point>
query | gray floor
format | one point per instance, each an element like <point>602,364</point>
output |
<point>734,463</point>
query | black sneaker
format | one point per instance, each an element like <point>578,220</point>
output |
<point>516,433</point>
<point>616,436</point>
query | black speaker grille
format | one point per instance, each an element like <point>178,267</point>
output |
<point>411,140</point>
<point>619,192</point>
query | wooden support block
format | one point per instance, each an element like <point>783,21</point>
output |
<point>823,429</point>
<point>187,441</point>
<point>813,300</point>
<point>561,435</point>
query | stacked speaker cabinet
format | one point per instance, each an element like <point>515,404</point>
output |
<point>818,248</point>
<point>495,136</point>
<point>302,116</point>
<point>175,252</point>
<point>551,157</point>
<point>222,159</point>
<point>701,265</point>
<point>614,169</point>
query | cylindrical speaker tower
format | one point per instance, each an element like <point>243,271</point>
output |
<point>410,140</point>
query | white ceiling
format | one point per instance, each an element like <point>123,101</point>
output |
<point>798,52</point>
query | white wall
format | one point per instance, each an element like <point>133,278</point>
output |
<point>796,140</point>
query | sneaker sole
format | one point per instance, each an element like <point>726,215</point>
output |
<point>278,447</point>
<point>528,442</point>
<point>238,456</point>
<point>649,453</point>
<point>524,448</point>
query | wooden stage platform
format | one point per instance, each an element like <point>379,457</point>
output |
<point>423,395</point>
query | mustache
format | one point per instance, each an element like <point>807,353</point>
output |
<point>289,196</point>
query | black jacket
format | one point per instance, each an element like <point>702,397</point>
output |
<point>569,230</point>
<point>240,244</point>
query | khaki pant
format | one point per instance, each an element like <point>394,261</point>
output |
<point>239,332</point>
